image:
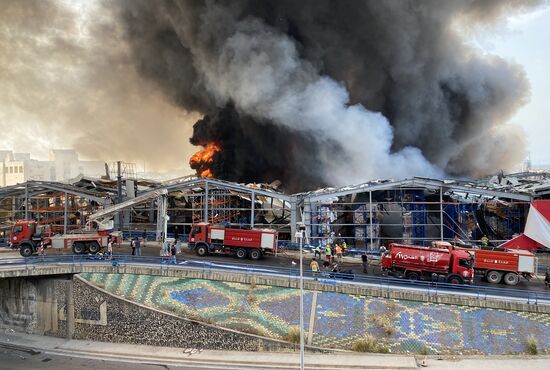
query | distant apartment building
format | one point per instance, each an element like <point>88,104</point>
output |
<point>62,165</point>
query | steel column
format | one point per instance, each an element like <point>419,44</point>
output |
<point>252,209</point>
<point>370,212</point>
<point>65,216</point>
<point>26,201</point>
<point>293,218</point>
<point>441,210</point>
<point>205,208</point>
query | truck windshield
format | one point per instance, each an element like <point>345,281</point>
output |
<point>465,263</point>
<point>196,230</point>
<point>17,229</point>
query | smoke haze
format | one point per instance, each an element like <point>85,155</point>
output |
<point>308,92</point>
<point>68,81</point>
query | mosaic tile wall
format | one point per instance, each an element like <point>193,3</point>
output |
<point>339,320</point>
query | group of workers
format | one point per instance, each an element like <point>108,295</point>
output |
<point>331,252</point>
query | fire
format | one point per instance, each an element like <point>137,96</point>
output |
<point>201,160</point>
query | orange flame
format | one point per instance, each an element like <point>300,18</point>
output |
<point>200,160</point>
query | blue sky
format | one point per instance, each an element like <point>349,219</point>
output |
<point>526,40</point>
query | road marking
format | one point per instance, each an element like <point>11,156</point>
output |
<point>312,317</point>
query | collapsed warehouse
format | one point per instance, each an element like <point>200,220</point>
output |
<point>368,215</point>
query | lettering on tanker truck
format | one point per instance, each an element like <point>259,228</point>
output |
<point>404,256</point>
<point>496,262</point>
<point>241,239</point>
<point>432,257</point>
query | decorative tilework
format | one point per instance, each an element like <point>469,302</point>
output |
<point>340,319</point>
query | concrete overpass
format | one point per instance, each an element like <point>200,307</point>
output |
<point>475,296</point>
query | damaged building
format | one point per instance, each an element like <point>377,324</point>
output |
<point>416,210</point>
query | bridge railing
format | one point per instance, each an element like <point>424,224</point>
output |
<point>324,277</point>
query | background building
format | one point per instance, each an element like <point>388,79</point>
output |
<point>63,165</point>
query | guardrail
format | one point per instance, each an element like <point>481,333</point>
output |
<point>325,277</point>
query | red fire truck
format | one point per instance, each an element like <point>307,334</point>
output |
<point>26,235</point>
<point>507,265</point>
<point>206,238</point>
<point>416,262</point>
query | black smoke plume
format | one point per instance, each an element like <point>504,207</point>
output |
<point>318,92</point>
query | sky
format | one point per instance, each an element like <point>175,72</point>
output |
<point>526,41</point>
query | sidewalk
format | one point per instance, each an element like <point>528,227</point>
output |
<point>207,358</point>
<point>266,360</point>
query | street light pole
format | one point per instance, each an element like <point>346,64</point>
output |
<point>301,232</point>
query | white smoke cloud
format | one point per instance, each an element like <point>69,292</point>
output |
<point>260,70</point>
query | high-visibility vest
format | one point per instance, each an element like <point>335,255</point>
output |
<point>328,251</point>
<point>338,249</point>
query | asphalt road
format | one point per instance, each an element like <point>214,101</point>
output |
<point>13,358</point>
<point>288,260</point>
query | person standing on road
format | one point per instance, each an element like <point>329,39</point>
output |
<point>328,253</point>
<point>133,245</point>
<point>364,263</point>
<point>339,255</point>
<point>110,248</point>
<point>547,278</point>
<point>314,266</point>
<point>137,246</point>
<point>317,251</point>
<point>41,249</point>
<point>173,253</point>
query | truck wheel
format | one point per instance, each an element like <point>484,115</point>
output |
<point>201,250</point>
<point>78,248</point>
<point>255,254</point>
<point>455,279</point>
<point>494,277</point>
<point>93,247</point>
<point>26,250</point>
<point>511,278</point>
<point>412,275</point>
<point>241,253</point>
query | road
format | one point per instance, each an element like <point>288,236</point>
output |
<point>287,260</point>
<point>15,358</point>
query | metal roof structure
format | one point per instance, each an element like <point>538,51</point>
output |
<point>454,186</point>
<point>31,188</point>
<point>209,183</point>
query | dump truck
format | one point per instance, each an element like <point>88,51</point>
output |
<point>26,235</point>
<point>440,259</point>
<point>212,239</point>
<point>504,265</point>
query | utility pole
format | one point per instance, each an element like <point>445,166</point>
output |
<point>119,192</point>
<point>300,235</point>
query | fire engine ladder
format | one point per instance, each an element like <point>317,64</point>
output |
<point>161,195</point>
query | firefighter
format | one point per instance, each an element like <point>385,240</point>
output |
<point>328,253</point>
<point>317,251</point>
<point>339,253</point>
<point>484,241</point>
<point>344,247</point>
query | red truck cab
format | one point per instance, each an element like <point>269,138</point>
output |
<point>26,235</point>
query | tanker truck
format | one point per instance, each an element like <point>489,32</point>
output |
<point>440,259</point>
<point>209,239</point>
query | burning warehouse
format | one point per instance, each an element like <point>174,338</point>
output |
<point>416,210</point>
